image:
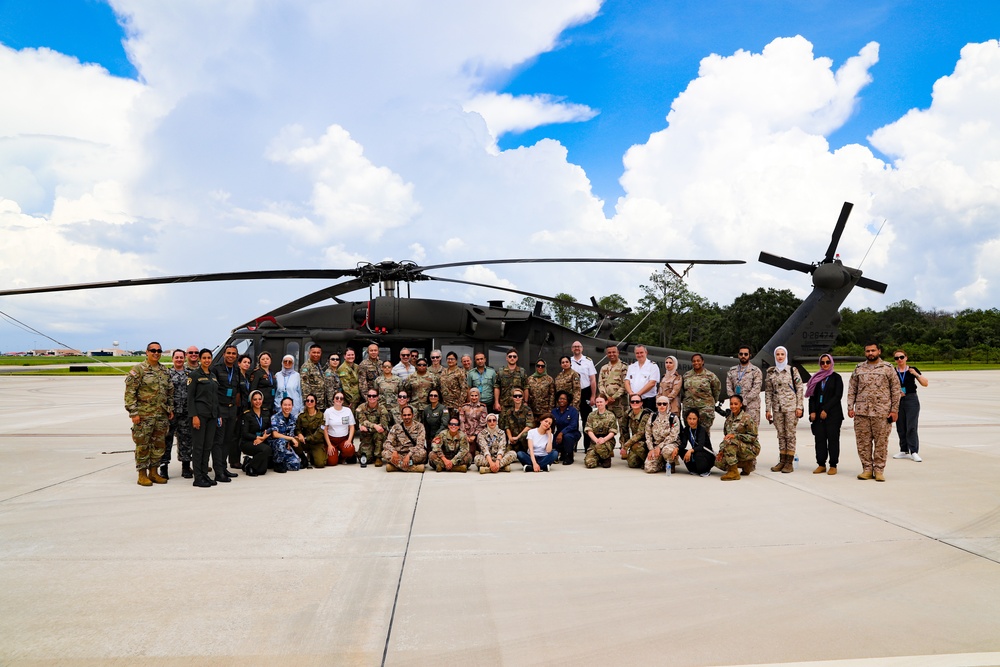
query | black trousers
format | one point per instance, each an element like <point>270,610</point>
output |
<point>585,411</point>
<point>702,461</point>
<point>827,434</point>
<point>202,444</point>
<point>226,444</point>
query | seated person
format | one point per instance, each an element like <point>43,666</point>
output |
<point>739,446</point>
<point>450,449</point>
<point>696,446</point>
<point>338,429</point>
<point>566,422</point>
<point>601,429</point>
<point>256,433</point>
<point>661,437</point>
<point>283,438</point>
<point>405,448</point>
<point>311,439</point>
<point>539,455</point>
<point>494,455</point>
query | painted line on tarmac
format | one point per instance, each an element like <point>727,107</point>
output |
<point>402,566</point>
<point>49,486</point>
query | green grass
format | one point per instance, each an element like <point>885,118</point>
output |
<point>55,361</point>
<point>846,367</point>
<point>94,370</point>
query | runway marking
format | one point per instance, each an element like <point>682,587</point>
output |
<point>63,435</point>
<point>402,566</point>
<point>49,486</point>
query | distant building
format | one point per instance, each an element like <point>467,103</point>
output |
<point>54,353</point>
<point>109,352</point>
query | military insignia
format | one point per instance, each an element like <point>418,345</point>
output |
<point>189,381</point>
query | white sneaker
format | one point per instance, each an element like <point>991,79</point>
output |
<point>916,457</point>
<point>901,455</point>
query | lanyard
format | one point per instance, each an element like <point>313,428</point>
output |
<point>902,376</point>
<point>260,422</point>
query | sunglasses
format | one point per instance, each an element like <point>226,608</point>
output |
<point>632,400</point>
<point>156,351</point>
<point>402,396</point>
<point>660,404</point>
<point>539,365</point>
<point>338,398</point>
<point>512,356</point>
<point>310,400</point>
<point>456,423</point>
<point>434,358</point>
<point>824,363</point>
<point>898,357</point>
<point>518,395</point>
<point>334,358</point>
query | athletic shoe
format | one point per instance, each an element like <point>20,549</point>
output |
<point>525,468</point>
<point>916,457</point>
<point>901,455</point>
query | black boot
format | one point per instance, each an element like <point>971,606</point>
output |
<point>163,471</point>
<point>186,470</point>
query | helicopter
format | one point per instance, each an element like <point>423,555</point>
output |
<point>393,322</point>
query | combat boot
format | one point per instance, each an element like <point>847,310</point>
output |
<point>780,464</point>
<point>789,463</point>
<point>417,468</point>
<point>732,474</point>
<point>186,470</point>
<point>747,467</point>
<point>460,468</point>
<point>879,477</point>
<point>154,478</point>
<point>143,479</point>
<point>865,474</point>
<point>164,472</point>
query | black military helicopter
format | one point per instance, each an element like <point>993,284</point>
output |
<point>394,322</point>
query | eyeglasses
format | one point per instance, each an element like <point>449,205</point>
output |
<point>154,350</point>
<point>334,358</point>
<point>899,356</point>
<point>632,400</point>
<point>310,400</point>
<point>434,358</point>
<point>827,363</point>
<point>512,356</point>
<point>401,396</point>
<point>518,395</point>
<point>661,404</point>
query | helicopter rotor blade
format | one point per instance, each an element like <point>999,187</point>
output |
<point>873,285</point>
<point>563,302</point>
<point>785,263</point>
<point>577,260</point>
<point>324,274</point>
<point>838,231</point>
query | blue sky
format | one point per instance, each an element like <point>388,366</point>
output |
<point>323,133</point>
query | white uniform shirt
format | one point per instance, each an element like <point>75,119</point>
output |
<point>585,367</point>
<point>639,376</point>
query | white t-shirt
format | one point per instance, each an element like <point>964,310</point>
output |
<point>585,367</point>
<point>338,422</point>
<point>539,442</point>
<point>638,377</point>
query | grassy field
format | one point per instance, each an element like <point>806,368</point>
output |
<point>927,366</point>
<point>56,361</point>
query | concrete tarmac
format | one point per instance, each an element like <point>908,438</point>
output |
<point>351,566</point>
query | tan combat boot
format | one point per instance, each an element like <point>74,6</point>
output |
<point>789,463</point>
<point>865,474</point>
<point>879,477</point>
<point>732,474</point>
<point>747,467</point>
<point>780,464</point>
<point>417,468</point>
<point>461,468</point>
<point>819,470</point>
<point>143,479</point>
<point>154,477</point>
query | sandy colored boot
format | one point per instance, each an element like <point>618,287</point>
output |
<point>780,464</point>
<point>461,468</point>
<point>143,479</point>
<point>748,467</point>
<point>865,474</point>
<point>417,468</point>
<point>819,470</point>
<point>154,477</point>
<point>732,474</point>
<point>789,463</point>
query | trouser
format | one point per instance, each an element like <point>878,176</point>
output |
<point>636,455</point>
<point>226,443</point>
<point>338,442</point>
<point>753,409</point>
<point>180,426</point>
<point>149,436</point>
<point>658,462</point>
<point>827,434</point>
<point>568,446</point>
<point>259,456</point>
<point>318,453</point>
<point>785,424</point>
<point>542,461</point>
<point>906,424</point>
<point>701,461</point>
<point>202,440</point>
<point>584,408</point>
<point>733,452</point>
<point>872,436</point>
<point>371,445</point>
<point>505,460</point>
<point>599,454</point>
<point>706,415</point>
<point>650,404</point>
<point>436,459</point>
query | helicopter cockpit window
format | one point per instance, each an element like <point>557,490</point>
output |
<point>243,346</point>
<point>293,348</point>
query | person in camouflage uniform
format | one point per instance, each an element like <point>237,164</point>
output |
<point>453,388</point>
<point>568,380</point>
<point>494,455</point>
<point>783,405</point>
<point>405,448</point>
<point>450,449</point>
<point>601,428</point>
<point>746,380</point>
<point>516,421</point>
<point>873,396</point>
<point>611,383</point>
<point>331,383</point>
<point>369,370</point>
<point>633,435</point>
<point>662,434</point>
<point>739,448</point>
<point>472,418</point>
<point>349,383</point>
<point>387,385</point>
<point>311,373</point>
<point>180,424</point>
<point>541,391</point>
<point>509,378</point>
<point>435,368</point>
<point>149,400</point>
<point>701,390</point>
<point>419,385</point>
<point>373,427</point>
<point>309,433</point>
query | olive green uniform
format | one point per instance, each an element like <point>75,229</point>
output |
<point>633,437</point>
<point>701,391</point>
<point>600,425</point>
<point>149,395</point>
<point>371,439</point>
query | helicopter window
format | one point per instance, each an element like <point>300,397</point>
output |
<point>457,349</point>
<point>243,346</point>
<point>293,348</point>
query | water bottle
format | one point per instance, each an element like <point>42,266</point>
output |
<point>795,462</point>
<point>668,469</point>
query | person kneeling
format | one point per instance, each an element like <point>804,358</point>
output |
<point>253,440</point>
<point>661,438</point>
<point>700,458</point>
<point>740,446</point>
<point>539,456</point>
<point>405,448</point>
<point>450,449</point>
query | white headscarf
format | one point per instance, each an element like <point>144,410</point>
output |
<point>287,371</point>
<point>675,364</point>
<point>784,364</point>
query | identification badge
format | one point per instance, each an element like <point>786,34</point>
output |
<point>739,390</point>
<point>903,389</point>
<point>229,393</point>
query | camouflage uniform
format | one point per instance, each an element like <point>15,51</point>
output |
<point>493,441</point>
<point>455,449</point>
<point>331,380</point>
<point>418,387</point>
<point>388,389</point>
<point>873,393</point>
<point>453,388</point>
<point>748,384</point>
<point>662,432</point>
<point>349,384</point>
<point>600,425</point>
<point>701,391</point>
<point>542,392</point>
<point>311,428</point>
<point>313,382</point>
<point>368,372</point>
<point>783,392</point>
<point>180,424</point>
<point>633,437</point>
<point>569,381</point>
<point>670,386</point>
<point>744,447</point>
<point>515,421</point>
<point>372,440</point>
<point>398,443</point>
<point>472,417</point>
<point>149,395</point>
<point>611,383</point>
<point>507,381</point>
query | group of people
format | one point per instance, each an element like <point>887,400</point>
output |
<point>464,415</point>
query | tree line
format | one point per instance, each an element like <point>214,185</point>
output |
<point>669,314</point>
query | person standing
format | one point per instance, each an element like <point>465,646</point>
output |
<point>287,384</point>
<point>873,403</point>
<point>419,386</point>
<point>670,386</point>
<point>701,390</point>
<point>783,402</point>
<point>227,435</point>
<point>203,407</point>
<point>825,390</point>
<point>387,385</point>
<point>541,391</point>
<point>746,380</point>
<point>611,383</point>
<point>191,360</point>
<point>262,380</point>
<point>349,382</point>
<point>483,379</point>
<point>454,390</point>
<point>568,381</point>
<point>436,368</point>
<point>369,370</point>
<point>331,380</point>
<point>180,424</point>
<point>149,401</point>
<point>311,374</point>
<point>642,377</point>
<point>584,366</point>
<point>909,408</point>
<point>510,378</point>
<point>404,368</point>
<point>472,419</point>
